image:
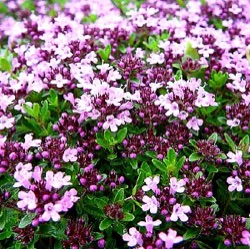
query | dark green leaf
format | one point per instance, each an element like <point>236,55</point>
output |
<point>5,235</point>
<point>191,233</point>
<point>106,223</point>
<point>203,245</point>
<point>128,217</point>
<point>121,134</point>
<point>213,137</point>
<point>195,157</point>
<point>230,142</point>
<point>97,235</point>
<point>159,165</point>
<point>58,244</point>
<point>119,196</point>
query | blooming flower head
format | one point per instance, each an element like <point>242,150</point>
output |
<point>51,212</point>
<point>151,204</point>
<point>134,237</point>
<point>112,123</point>
<point>179,212</point>
<point>235,158</point>
<point>176,186</point>
<point>194,123</point>
<point>149,223</point>
<point>151,184</point>
<point>170,239</point>
<point>234,184</point>
<point>30,142</point>
<point>28,200</point>
<point>70,155</point>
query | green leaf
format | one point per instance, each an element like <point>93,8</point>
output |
<point>159,165</point>
<point>5,235</point>
<point>213,137</point>
<point>191,52</point>
<point>45,113</point>
<point>106,223</point>
<point>146,169</point>
<point>218,79</point>
<point>53,100</point>
<point>171,156</point>
<point>139,182</point>
<point>119,196</point>
<point>203,245</point>
<point>244,143</point>
<point>230,142</point>
<point>108,136</point>
<point>119,228</point>
<point>26,220</point>
<point>121,134</point>
<point>179,165</point>
<point>3,8</point>
<point>195,157</point>
<point>97,235</point>
<point>191,233</point>
<point>3,218</point>
<point>133,163</point>
<point>58,244</point>
<point>5,65</point>
<point>103,143</point>
<point>105,53</point>
<point>128,217</point>
<point>211,168</point>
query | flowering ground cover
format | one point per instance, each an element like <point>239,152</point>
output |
<point>124,124</point>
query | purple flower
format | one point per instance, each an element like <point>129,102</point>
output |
<point>176,186</point>
<point>23,175</point>
<point>51,212</point>
<point>6,122</point>
<point>134,237</point>
<point>112,123</point>
<point>245,238</point>
<point>28,200</point>
<point>234,183</point>
<point>70,155</point>
<point>149,223</point>
<point>235,158</point>
<point>150,204</point>
<point>151,184</point>
<point>56,180</point>
<point>194,123</point>
<point>179,212</point>
<point>170,239</point>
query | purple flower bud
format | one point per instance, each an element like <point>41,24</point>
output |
<point>227,242</point>
<point>13,156</point>
<point>121,180</point>
<point>172,201</point>
<point>46,197</point>
<point>101,243</point>
<point>93,188</point>
<point>45,154</point>
<point>83,181</point>
<point>35,222</point>
<point>112,185</point>
<point>55,196</point>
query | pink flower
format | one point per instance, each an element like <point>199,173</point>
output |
<point>59,81</point>
<point>27,200</point>
<point>176,186</point>
<point>70,155</point>
<point>6,122</point>
<point>5,101</point>
<point>51,212</point>
<point>235,158</point>
<point>233,122</point>
<point>194,123</point>
<point>170,239</point>
<point>23,175</point>
<point>112,123</point>
<point>173,109</point>
<point>156,58</point>
<point>37,174</point>
<point>57,180</point>
<point>245,240</point>
<point>179,212</point>
<point>134,237</point>
<point>149,223</point>
<point>234,183</point>
<point>29,142</point>
<point>151,184</point>
<point>68,199</point>
<point>150,204</point>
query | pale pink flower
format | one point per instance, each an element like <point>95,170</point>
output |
<point>68,199</point>
<point>179,212</point>
<point>112,123</point>
<point>176,186</point>
<point>245,240</point>
<point>37,173</point>
<point>2,140</point>
<point>5,101</point>
<point>233,122</point>
<point>104,68</point>
<point>124,117</point>
<point>194,123</point>
<point>51,212</point>
<point>170,239</point>
<point>28,200</point>
<point>70,155</point>
<point>149,223</point>
<point>156,58</point>
<point>6,122</point>
<point>151,204</point>
<point>57,180</point>
<point>173,109</point>
<point>30,142</point>
<point>113,75</point>
<point>234,184</point>
<point>151,184</point>
<point>59,81</point>
<point>23,175</point>
<point>134,237</point>
<point>235,158</point>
